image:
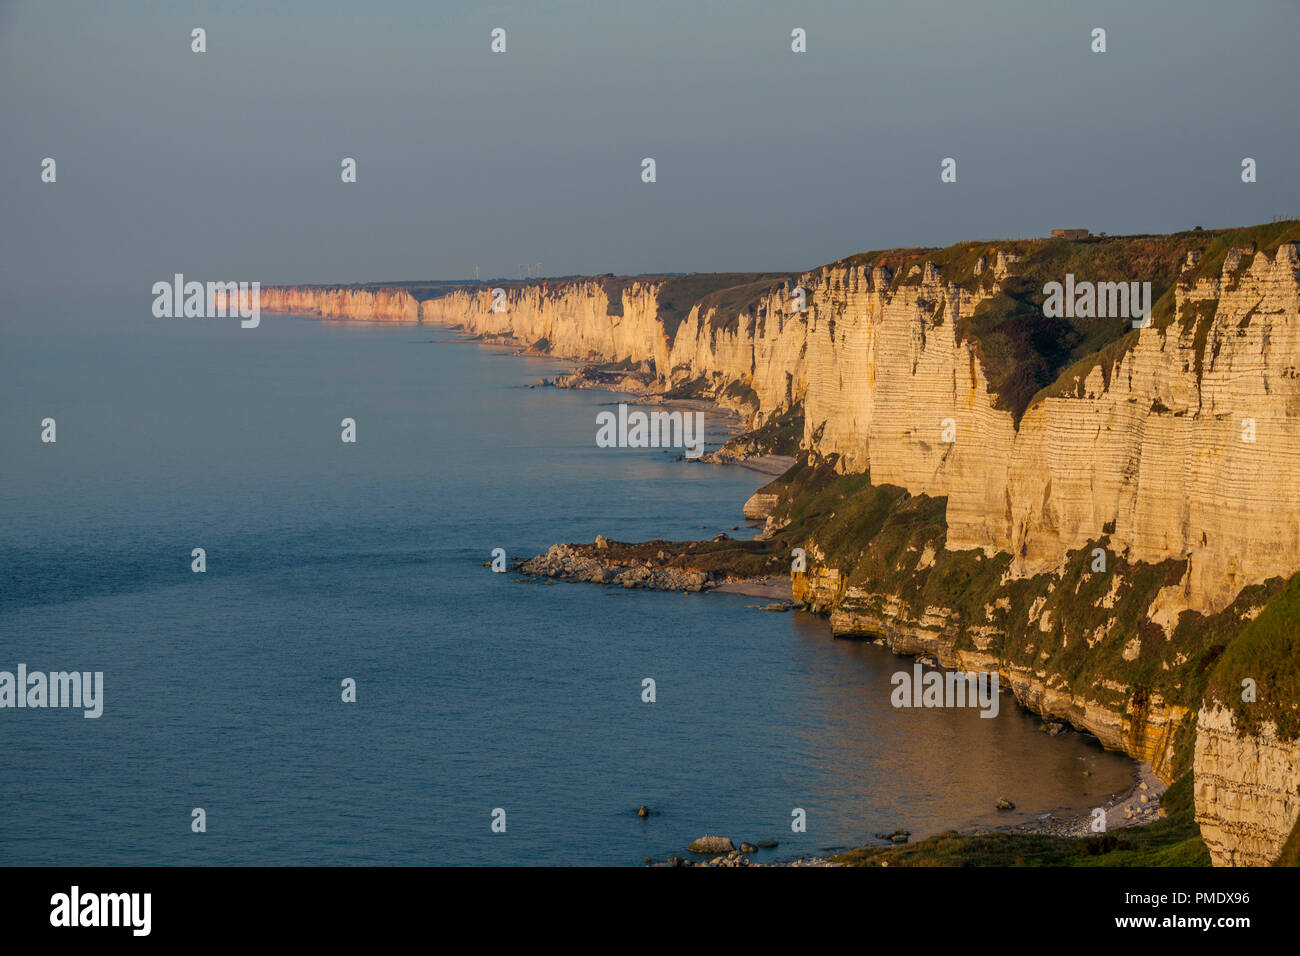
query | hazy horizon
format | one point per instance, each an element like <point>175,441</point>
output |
<point>225,165</point>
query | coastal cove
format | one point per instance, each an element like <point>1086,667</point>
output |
<point>474,690</point>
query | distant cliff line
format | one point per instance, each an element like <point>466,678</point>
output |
<point>1060,428</point>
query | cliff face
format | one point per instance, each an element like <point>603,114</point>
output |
<point>765,351</point>
<point>359,304</point>
<point>572,318</point>
<point>1172,447</point>
<point>893,389</point>
<point>1182,449</point>
<point>1246,797</point>
<point>1151,449</point>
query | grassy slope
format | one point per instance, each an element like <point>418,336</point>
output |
<point>679,294</point>
<point>1267,651</point>
<point>728,304</point>
<point>779,435</point>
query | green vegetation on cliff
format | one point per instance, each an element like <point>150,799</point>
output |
<point>614,287</point>
<point>730,290</point>
<point>1265,238</point>
<point>1085,628</point>
<point>779,435</point>
<point>727,305</point>
<point>1267,651</point>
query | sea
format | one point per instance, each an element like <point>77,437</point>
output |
<point>496,721</point>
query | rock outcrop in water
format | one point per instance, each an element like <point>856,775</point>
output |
<point>571,563</point>
<point>1170,450</point>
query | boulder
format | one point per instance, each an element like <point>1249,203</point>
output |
<point>711,845</point>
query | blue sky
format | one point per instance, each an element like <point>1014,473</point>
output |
<point>225,165</point>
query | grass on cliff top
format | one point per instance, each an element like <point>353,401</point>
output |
<point>1267,651</point>
<point>679,294</point>
<point>730,303</point>
<point>1263,238</point>
<point>614,286</point>
<point>1172,841</point>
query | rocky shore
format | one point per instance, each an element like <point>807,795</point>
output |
<point>720,851</point>
<point>1136,806</point>
<point>723,563</point>
<point>568,562</point>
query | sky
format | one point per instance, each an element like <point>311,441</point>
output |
<point>225,165</point>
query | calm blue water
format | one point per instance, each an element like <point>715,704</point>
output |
<point>327,560</point>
